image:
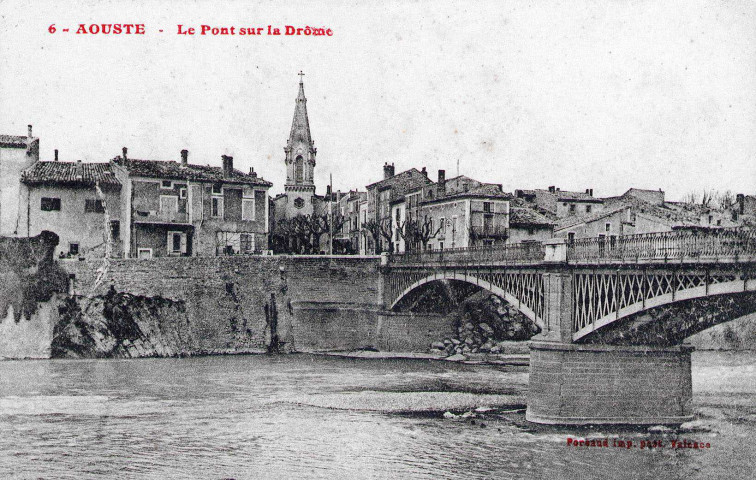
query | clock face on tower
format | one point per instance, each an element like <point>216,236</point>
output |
<point>298,202</point>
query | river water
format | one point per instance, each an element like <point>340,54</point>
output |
<point>309,416</point>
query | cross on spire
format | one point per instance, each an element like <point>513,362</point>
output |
<point>301,74</point>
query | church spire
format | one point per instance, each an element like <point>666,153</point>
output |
<point>300,149</point>
<point>300,126</point>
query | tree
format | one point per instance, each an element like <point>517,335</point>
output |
<point>416,234</point>
<point>373,229</point>
<point>387,232</point>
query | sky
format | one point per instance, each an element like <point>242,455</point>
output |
<point>577,94</point>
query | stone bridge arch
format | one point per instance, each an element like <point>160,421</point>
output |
<point>527,296</point>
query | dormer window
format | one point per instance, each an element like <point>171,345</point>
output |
<point>217,189</point>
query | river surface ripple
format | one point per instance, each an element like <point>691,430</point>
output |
<point>309,416</point>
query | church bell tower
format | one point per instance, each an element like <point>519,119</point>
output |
<point>300,151</point>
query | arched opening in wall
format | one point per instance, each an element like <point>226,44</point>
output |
<point>299,169</point>
<point>673,323</point>
<point>476,319</point>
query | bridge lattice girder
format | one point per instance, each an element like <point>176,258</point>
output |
<point>600,295</point>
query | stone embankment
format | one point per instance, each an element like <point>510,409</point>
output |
<point>485,323</point>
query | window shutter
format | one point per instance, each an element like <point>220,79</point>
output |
<point>183,243</point>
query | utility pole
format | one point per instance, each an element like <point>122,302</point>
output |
<point>330,219</point>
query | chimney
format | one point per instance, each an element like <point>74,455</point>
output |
<point>252,172</point>
<point>589,192</point>
<point>79,170</point>
<point>228,166</point>
<point>56,154</point>
<point>441,186</point>
<point>552,189</point>
<point>124,152</point>
<point>30,131</point>
<point>388,170</point>
<point>424,172</point>
<point>328,191</point>
<point>184,158</point>
<point>740,200</point>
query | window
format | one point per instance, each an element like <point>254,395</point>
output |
<point>465,187</point>
<point>168,204</point>
<point>442,226</point>
<point>608,227</point>
<point>166,184</point>
<point>247,242</point>
<point>571,237</point>
<point>94,206</point>
<point>217,207</point>
<point>50,204</point>
<point>572,208</point>
<point>487,207</point>
<point>217,189</point>
<point>299,170</point>
<point>115,230</point>
<point>73,248</point>
<point>719,222</point>
<point>588,209</point>
<point>711,218</point>
<point>176,243</point>
<point>248,208</point>
<point>182,193</point>
<point>398,215</point>
<point>144,253</point>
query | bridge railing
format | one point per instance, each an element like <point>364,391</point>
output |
<point>688,245</point>
<point>525,253</point>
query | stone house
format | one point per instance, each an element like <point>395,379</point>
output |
<point>457,213</point>
<point>182,209</point>
<point>347,238</point>
<point>562,203</point>
<point>78,201</point>
<point>528,225</point>
<point>381,194</point>
<point>17,152</point>
<point>627,214</point>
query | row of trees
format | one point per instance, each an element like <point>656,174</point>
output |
<point>711,199</point>
<point>302,234</point>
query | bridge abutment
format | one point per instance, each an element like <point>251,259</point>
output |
<point>572,384</point>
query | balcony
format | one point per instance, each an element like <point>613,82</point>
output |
<point>489,231</point>
<point>172,218</point>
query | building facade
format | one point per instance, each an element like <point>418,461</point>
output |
<point>78,201</point>
<point>17,152</point>
<point>182,209</point>
<point>378,226</point>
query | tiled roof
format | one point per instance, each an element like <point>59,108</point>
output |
<point>526,217</point>
<point>15,141</point>
<point>174,171</point>
<point>403,182</point>
<point>564,195</point>
<point>70,174</point>
<point>486,190</point>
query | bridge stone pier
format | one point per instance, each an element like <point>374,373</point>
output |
<point>613,314</point>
